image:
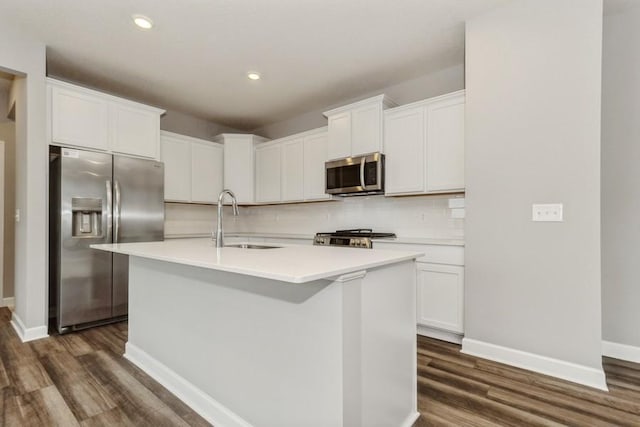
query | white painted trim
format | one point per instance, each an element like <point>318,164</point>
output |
<point>206,406</point>
<point>621,351</point>
<point>8,302</point>
<point>580,374</point>
<point>411,419</point>
<point>27,334</point>
<point>350,276</point>
<point>439,334</point>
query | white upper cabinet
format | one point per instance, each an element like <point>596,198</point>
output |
<point>339,144</point>
<point>206,172</point>
<point>366,129</point>
<point>445,144</point>
<point>193,169</point>
<point>239,165</point>
<point>79,119</point>
<point>424,146</point>
<point>176,156</point>
<point>315,155</point>
<point>86,118</point>
<point>356,129</point>
<point>292,170</point>
<point>268,174</point>
<point>404,133</point>
<point>135,131</point>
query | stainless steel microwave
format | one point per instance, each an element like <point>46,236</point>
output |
<point>353,176</point>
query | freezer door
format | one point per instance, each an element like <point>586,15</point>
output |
<point>138,215</point>
<point>84,276</point>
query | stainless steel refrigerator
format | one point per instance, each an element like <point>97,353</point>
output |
<point>97,198</point>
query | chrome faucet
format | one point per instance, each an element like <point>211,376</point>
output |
<point>218,236</point>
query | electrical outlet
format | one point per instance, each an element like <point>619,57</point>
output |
<point>551,212</point>
<point>17,215</point>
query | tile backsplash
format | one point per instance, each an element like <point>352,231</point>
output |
<point>420,216</point>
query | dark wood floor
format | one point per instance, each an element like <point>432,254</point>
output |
<point>459,390</point>
<point>81,379</point>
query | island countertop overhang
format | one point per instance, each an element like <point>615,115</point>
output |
<point>287,263</point>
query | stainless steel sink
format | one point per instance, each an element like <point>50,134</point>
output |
<point>250,246</point>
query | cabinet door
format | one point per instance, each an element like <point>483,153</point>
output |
<point>445,144</point>
<point>292,178</point>
<point>206,172</point>
<point>176,155</point>
<point>441,296</point>
<point>135,131</point>
<point>238,169</point>
<point>339,136</point>
<point>366,130</point>
<point>79,119</point>
<point>268,173</point>
<point>315,154</point>
<point>404,145</point>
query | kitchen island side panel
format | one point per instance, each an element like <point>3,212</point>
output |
<point>274,353</point>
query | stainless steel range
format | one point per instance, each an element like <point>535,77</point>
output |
<point>356,238</point>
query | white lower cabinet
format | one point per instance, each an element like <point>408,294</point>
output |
<point>440,296</point>
<point>439,287</point>
<point>192,169</point>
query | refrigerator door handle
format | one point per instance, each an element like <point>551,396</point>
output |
<point>116,212</point>
<point>108,210</point>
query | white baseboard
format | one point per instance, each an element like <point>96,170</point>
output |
<point>621,351</point>
<point>411,419</point>
<point>206,406</point>
<point>439,335</point>
<point>580,374</point>
<point>8,302</point>
<point>27,334</point>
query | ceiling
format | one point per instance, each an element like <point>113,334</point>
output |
<point>311,53</point>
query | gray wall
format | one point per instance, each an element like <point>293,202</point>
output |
<point>184,124</point>
<point>621,178</point>
<point>432,84</point>
<point>20,53</point>
<point>533,71</point>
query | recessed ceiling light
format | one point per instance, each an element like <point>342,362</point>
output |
<point>252,75</point>
<point>142,22</point>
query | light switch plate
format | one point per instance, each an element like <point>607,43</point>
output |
<point>550,212</point>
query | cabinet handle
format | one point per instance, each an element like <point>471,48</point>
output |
<point>109,210</point>
<point>116,213</point>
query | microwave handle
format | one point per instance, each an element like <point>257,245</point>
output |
<point>362,162</point>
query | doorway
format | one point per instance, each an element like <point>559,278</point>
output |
<point>7,188</point>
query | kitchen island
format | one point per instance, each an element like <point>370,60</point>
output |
<point>290,336</point>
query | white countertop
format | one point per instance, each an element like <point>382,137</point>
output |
<point>288,263</point>
<point>400,239</point>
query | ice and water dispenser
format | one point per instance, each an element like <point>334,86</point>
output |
<point>86,217</point>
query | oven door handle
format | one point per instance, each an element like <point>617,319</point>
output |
<point>362,162</point>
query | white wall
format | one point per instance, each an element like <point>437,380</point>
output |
<point>429,85</point>
<point>425,216</point>
<point>621,178</point>
<point>20,53</point>
<point>184,124</point>
<point>533,73</point>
